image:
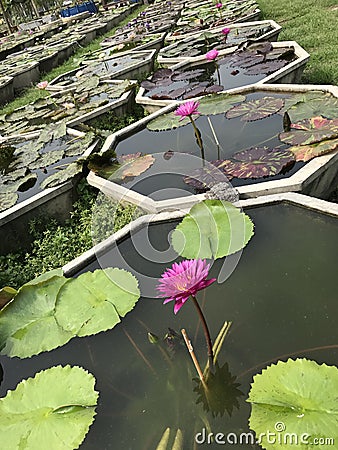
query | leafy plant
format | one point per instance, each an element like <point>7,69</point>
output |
<point>212,229</point>
<point>301,396</point>
<point>34,415</point>
<point>50,310</point>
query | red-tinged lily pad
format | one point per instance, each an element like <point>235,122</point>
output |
<point>214,89</point>
<point>256,109</point>
<point>259,162</point>
<point>188,75</point>
<point>212,173</point>
<point>163,95</point>
<point>266,67</point>
<point>307,152</point>
<point>177,93</point>
<point>148,85</point>
<point>310,131</point>
<point>160,74</point>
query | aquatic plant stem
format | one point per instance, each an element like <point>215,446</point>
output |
<point>218,74</point>
<point>193,357</point>
<point>198,137</point>
<point>206,332</point>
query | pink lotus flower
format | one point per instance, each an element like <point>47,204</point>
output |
<point>219,5</point>
<point>226,31</point>
<point>183,280</point>
<point>42,85</point>
<point>187,109</point>
<point>212,55</point>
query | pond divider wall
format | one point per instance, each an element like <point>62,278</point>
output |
<point>292,198</point>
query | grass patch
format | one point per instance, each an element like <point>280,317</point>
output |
<point>55,245</point>
<point>314,25</point>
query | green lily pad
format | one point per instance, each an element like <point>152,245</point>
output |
<point>212,229</point>
<point>307,152</point>
<point>46,159</point>
<point>106,295</point>
<point>218,103</point>
<point>34,416</point>
<point>256,109</point>
<point>311,104</point>
<point>310,131</point>
<point>79,145</point>
<point>166,122</point>
<point>298,398</point>
<point>61,176</point>
<point>259,162</point>
<point>51,309</point>
<point>52,132</point>
<point>88,84</point>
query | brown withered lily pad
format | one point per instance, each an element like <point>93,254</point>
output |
<point>259,162</point>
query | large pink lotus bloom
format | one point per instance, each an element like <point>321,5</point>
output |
<point>219,5</point>
<point>226,31</point>
<point>42,85</point>
<point>212,55</point>
<point>184,279</point>
<point>187,109</point>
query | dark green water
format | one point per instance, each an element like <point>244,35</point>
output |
<point>233,135</point>
<point>281,298</point>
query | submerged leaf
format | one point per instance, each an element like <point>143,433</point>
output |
<point>310,131</point>
<point>259,162</point>
<point>301,395</point>
<point>212,229</point>
<point>30,415</point>
<point>256,109</point>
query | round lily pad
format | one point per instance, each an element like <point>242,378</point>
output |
<point>259,162</point>
<point>256,109</point>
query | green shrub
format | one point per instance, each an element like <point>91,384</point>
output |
<point>55,245</point>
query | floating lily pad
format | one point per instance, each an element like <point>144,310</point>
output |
<point>259,162</point>
<point>295,398</point>
<point>325,105</point>
<point>51,418</point>
<point>63,175</point>
<point>256,109</point>
<point>218,104</point>
<point>212,173</point>
<point>307,152</point>
<point>160,74</point>
<point>148,85</point>
<point>166,122</point>
<point>212,229</point>
<point>188,75</point>
<point>266,67</point>
<point>310,131</point>
<point>46,159</point>
<point>128,166</point>
<point>52,132</point>
<point>301,97</point>
<point>52,309</point>
<point>7,200</point>
<point>88,84</point>
<point>79,145</point>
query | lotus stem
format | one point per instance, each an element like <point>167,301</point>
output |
<point>206,332</point>
<point>215,137</point>
<point>193,357</point>
<point>288,355</point>
<point>198,137</point>
<point>139,351</point>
